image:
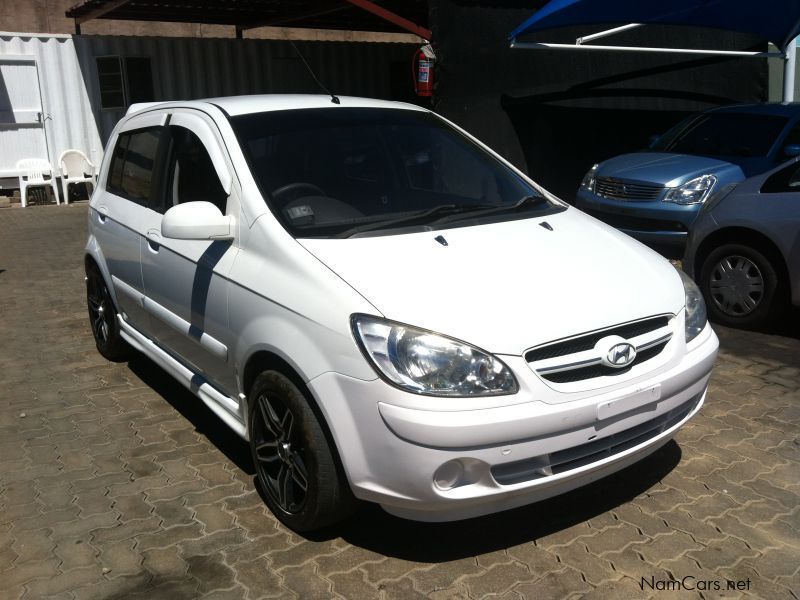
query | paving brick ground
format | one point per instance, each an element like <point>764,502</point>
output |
<point>117,483</point>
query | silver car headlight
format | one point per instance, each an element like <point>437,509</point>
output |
<point>589,179</point>
<point>693,191</point>
<point>423,362</point>
<point>696,317</point>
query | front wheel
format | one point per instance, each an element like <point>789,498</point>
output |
<point>295,465</point>
<point>103,318</point>
<point>741,286</point>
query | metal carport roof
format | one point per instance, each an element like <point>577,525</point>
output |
<point>406,16</point>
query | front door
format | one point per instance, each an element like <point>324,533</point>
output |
<point>186,290</point>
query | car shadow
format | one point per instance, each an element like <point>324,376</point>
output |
<point>380,532</point>
<point>788,326</point>
<point>193,410</point>
<point>373,529</point>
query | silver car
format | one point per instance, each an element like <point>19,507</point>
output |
<point>744,249</point>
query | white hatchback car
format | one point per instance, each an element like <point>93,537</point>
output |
<point>385,308</point>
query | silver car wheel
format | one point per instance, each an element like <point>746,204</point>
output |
<point>736,285</point>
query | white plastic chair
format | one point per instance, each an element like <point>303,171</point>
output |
<point>35,172</point>
<point>75,168</point>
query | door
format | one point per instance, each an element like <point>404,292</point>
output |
<point>22,133</point>
<point>186,290</point>
<point>127,205</point>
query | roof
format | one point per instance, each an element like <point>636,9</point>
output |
<point>777,21</point>
<point>240,105</point>
<point>352,15</point>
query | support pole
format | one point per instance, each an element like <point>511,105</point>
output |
<point>789,71</point>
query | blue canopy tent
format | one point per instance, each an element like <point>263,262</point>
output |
<point>776,21</point>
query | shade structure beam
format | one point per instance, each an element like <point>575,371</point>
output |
<point>592,47</point>
<point>606,33</point>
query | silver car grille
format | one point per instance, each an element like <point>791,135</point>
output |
<point>617,189</point>
<point>577,359</point>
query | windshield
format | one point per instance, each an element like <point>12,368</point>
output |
<point>345,171</point>
<point>723,134</point>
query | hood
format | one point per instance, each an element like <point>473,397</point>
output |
<point>506,287</point>
<point>666,169</point>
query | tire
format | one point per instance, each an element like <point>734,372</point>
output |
<point>741,287</point>
<point>290,451</point>
<point>103,318</point>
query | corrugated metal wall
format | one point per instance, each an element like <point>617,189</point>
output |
<point>69,120</point>
<point>188,68</point>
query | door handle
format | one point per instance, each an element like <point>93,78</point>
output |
<point>102,213</point>
<point>153,240</point>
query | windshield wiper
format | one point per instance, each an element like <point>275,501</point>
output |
<point>436,210</point>
<point>524,201</point>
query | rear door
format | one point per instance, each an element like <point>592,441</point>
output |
<point>127,205</point>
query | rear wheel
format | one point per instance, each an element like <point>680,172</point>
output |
<point>741,286</point>
<point>103,318</point>
<point>295,466</point>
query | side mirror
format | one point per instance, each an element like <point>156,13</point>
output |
<point>792,150</point>
<point>196,221</point>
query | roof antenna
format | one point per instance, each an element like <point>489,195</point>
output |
<point>334,98</point>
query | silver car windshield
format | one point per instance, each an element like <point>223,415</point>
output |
<point>337,172</point>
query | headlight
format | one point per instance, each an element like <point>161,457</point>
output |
<point>692,192</point>
<point>696,317</point>
<point>424,362</point>
<point>588,180</point>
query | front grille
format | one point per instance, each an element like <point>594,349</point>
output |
<point>581,358</point>
<point>587,342</point>
<point>584,454</point>
<point>617,189</point>
<point>593,371</point>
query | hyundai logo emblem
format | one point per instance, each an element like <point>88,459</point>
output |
<point>620,355</point>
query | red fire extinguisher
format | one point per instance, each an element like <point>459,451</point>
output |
<point>422,66</point>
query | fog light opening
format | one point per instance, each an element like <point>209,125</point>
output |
<point>448,475</point>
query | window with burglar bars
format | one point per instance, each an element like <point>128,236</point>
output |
<point>124,81</point>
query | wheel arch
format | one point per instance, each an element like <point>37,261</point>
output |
<point>744,236</point>
<point>93,258</point>
<point>267,360</point>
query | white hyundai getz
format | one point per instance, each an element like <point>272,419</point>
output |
<point>385,308</point>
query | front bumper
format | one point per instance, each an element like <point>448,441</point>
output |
<point>392,449</point>
<point>651,222</point>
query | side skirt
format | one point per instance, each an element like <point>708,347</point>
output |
<point>227,409</point>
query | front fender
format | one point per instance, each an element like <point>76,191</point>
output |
<point>310,348</point>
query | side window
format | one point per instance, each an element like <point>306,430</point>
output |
<point>133,166</point>
<point>785,180</point>
<point>194,177</point>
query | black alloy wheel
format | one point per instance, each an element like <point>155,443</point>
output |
<point>297,467</point>
<point>279,454</point>
<point>103,317</point>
